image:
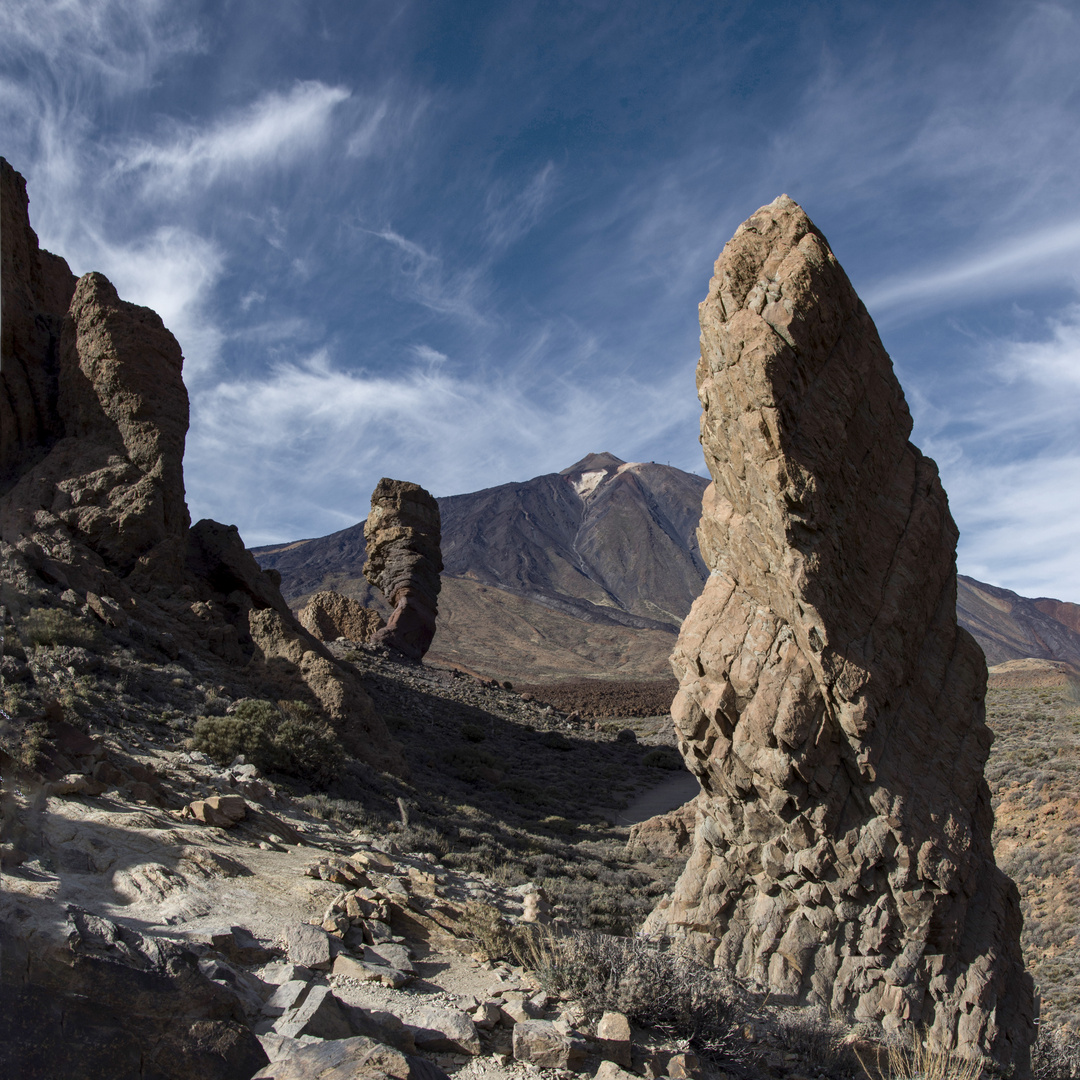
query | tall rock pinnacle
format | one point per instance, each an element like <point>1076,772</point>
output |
<point>829,704</point>
<point>404,560</point>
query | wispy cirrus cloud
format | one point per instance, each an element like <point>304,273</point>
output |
<point>338,428</point>
<point>118,43</point>
<point>1021,263</point>
<point>276,129</point>
<point>427,279</point>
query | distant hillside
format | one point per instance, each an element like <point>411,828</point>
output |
<point>590,571</point>
<point>1011,627</point>
<point>587,571</point>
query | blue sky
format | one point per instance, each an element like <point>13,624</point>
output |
<point>464,243</point>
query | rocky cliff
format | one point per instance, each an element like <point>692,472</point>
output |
<point>92,510</point>
<point>829,704</point>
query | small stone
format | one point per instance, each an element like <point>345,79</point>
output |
<point>487,1015</point>
<point>613,1035</point>
<point>610,1071</point>
<point>308,946</point>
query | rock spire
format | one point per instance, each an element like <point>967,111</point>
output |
<point>404,561</point>
<point>828,703</point>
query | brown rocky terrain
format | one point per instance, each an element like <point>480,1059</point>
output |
<point>92,510</point>
<point>828,702</point>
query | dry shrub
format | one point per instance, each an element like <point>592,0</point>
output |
<point>654,987</point>
<point>1055,1055</point>
<point>288,738</point>
<point>664,757</point>
<point>54,626</point>
<point>918,1061</point>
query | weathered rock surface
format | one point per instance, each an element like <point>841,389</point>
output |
<point>329,616</point>
<point>349,1059</point>
<point>404,562</point>
<point>828,703</point>
<point>127,1006</point>
<point>665,836</point>
<point>38,287</point>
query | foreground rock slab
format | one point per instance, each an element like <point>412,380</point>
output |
<point>349,1059</point>
<point>829,705</point>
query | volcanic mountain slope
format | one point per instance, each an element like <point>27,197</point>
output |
<point>591,571</point>
<point>1011,627</point>
<point>588,570</point>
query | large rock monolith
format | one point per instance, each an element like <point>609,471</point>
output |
<point>404,561</point>
<point>828,703</point>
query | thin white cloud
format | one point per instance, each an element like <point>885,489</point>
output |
<point>510,217</point>
<point>1010,461</point>
<point>341,430</point>
<point>1015,266</point>
<point>428,281</point>
<point>119,44</point>
<point>277,129</point>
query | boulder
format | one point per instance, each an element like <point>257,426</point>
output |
<point>828,703</point>
<point>348,1059</point>
<point>443,1029</point>
<point>539,1042</point>
<point>317,1013</point>
<point>224,811</point>
<point>308,946</point>
<point>613,1035</point>
<point>404,561</point>
<point>329,616</point>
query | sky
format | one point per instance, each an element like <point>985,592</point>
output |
<point>463,243</point>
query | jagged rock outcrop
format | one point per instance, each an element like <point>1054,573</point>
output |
<point>829,705</point>
<point>404,561</point>
<point>113,1003</point>
<point>38,287</point>
<point>95,415</point>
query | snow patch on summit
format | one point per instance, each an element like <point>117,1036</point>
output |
<point>588,482</point>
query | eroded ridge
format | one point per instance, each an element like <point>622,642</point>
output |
<point>828,703</point>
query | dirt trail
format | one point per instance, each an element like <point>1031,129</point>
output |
<point>670,795</point>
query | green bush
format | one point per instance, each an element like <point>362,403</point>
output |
<point>289,738</point>
<point>54,626</point>
<point>663,757</point>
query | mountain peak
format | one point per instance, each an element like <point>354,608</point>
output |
<point>593,463</point>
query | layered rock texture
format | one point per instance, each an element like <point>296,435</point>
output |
<point>329,616</point>
<point>94,417</point>
<point>829,704</point>
<point>404,561</point>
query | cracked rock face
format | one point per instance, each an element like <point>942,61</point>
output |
<point>829,704</point>
<point>404,561</point>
